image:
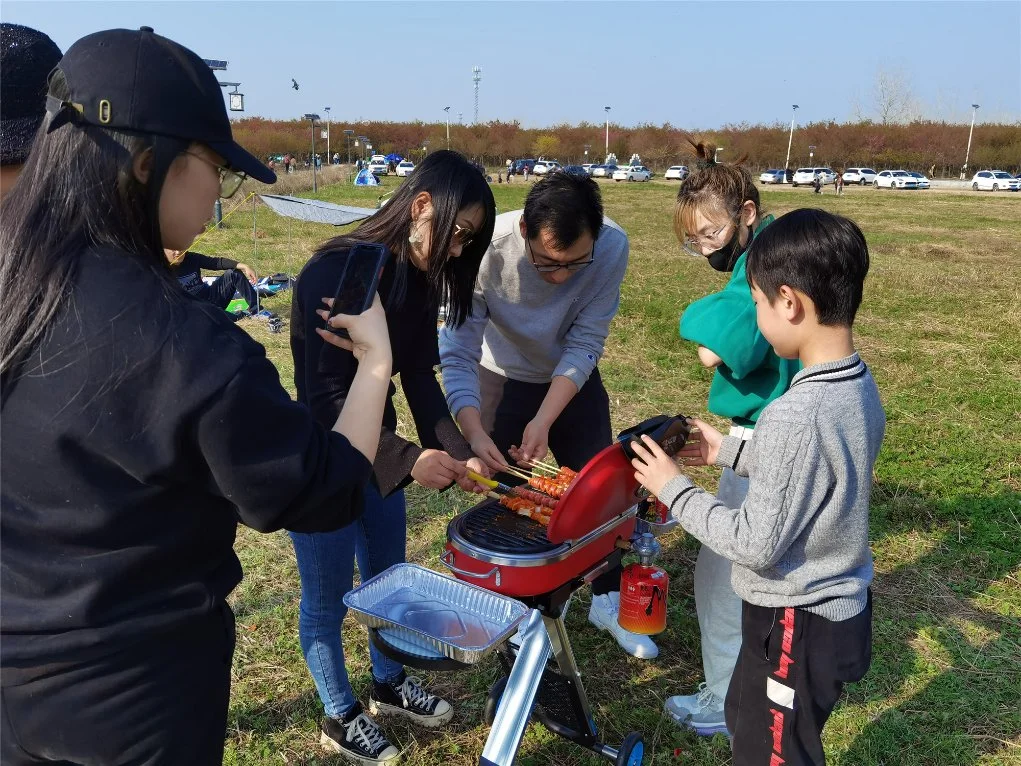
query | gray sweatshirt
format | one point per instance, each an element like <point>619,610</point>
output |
<point>800,538</point>
<point>529,330</point>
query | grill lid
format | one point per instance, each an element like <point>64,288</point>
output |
<point>604,488</point>
<point>491,526</point>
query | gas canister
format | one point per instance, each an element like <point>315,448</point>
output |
<point>643,590</point>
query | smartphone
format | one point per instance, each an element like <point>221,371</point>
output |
<point>670,433</point>
<point>358,282</point>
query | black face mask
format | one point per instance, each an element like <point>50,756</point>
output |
<point>725,258</point>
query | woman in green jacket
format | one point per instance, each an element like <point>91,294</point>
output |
<point>717,216</point>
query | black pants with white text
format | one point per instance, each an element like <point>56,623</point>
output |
<point>790,672</point>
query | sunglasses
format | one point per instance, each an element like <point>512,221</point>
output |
<point>463,235</point>
<point>230,180</point>
<point>549,268</point>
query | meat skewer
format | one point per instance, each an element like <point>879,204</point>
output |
<point>502,489</point>
<point>549,486</point>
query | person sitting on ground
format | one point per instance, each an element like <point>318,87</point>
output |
<point>800,540</point>
<point>27,57</point>
<point>236,277</point>
<point>521,374</point>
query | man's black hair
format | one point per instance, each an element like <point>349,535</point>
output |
<point>565,206</point>
<point>820,254</point>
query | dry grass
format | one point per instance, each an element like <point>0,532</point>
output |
<point>939,329</point>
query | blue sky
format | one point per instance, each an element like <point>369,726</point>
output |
<point>695,65</point>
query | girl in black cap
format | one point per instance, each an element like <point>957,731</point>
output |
<point>437,228</point>
<point>130,451</point>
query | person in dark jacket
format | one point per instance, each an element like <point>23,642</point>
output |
<point>437,228</point>
<point>236,278</point>
<point>130,451</point>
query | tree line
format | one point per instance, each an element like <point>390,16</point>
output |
<point>926,145</point>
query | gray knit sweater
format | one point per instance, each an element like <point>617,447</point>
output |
<point>801,536</point>
<point>527,329</point>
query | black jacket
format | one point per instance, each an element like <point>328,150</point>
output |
<point>136,436</point>
<point>323,373</point>
<point>189,269</point>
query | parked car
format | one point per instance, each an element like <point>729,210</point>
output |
<point>588,167</point>
<point>895,179</point>
<point>575,170</point>
<point>520,165</point>
<point>404,168</point>
<point>920,179</point>
<point>807,175</point>
<point>994,180</point>
<point>632,173</point>
<point>676,173</point>
<point>603,171</point>
<point>542,167</point>
<point>773,176</point>
<point>377,165</point>
<point>863,176</point>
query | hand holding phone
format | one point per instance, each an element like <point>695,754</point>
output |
<point>358,282</point>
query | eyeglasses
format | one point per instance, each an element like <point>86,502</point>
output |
<point>230,179</point>
<point>549,268</point>
<point>694,245</point>
<point>463,235</point>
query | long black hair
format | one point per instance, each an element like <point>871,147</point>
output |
<point>77,190</point>
<point>454,184</point>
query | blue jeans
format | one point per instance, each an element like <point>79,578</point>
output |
<point>326,565</point>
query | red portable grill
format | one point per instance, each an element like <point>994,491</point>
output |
<point>493,547</point>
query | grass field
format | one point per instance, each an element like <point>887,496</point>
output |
<point>939,328</point>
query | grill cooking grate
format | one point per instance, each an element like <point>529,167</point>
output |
<point>496,528</point>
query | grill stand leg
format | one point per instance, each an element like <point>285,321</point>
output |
<point>562,652</point>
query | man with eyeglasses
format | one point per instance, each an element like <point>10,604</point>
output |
<point>521,374</point>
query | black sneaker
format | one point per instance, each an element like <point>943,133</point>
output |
<point>407,697</point>
<point>359,740</point>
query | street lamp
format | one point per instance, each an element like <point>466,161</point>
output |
<point>587,147</point>
<point>447,110</point>
<point>787,164</point>
<point>811,153</point>
<point>347,142</point>
<point>329,157</point>
<point>425,146</point>
<point>607,130</point>
<point>967,154</point>
<point>312,121</point>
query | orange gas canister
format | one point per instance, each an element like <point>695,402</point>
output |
<point>643,590</point>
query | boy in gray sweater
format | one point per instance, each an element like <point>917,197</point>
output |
<point>799,542</point>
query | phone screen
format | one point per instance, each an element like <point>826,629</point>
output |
<point>359,282</point>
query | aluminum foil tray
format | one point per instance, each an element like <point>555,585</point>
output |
<point>435,613</point>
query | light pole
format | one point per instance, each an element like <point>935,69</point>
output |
<point>787,164</point>
<point>447,110</point>
<point>329,157</point>
<point>425,147</point>
<point>587,147</point>
<point>312,121</point>
<point>347,142</point>
<point>967,154</point>
<point>607,130</point>
<point>811,153</point>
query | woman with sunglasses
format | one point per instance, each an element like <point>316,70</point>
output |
<point>522,375</point>
<point>130,451</point>
<point>717,216</point>
<point>436,227</point>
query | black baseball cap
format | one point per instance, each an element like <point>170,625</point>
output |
<point>27,57</point>
<point>138,81</point>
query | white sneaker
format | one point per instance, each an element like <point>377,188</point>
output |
<point>702,711</point>
<point>603,614</point>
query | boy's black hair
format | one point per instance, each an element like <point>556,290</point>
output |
<point>565,206</point>
<point>820,254</point>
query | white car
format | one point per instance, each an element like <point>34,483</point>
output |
<point>920,179</point>
<point>542,167</point>
<point>863,176</point>
<point>588,167</point>
<point>632,173</point>
<point>772,176</point>
<point>377,166</point>
<point>404,168</point>
<point>895,179</point>
<point>994,180</point>
<point>807,175</point>
<point>676,173</point>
